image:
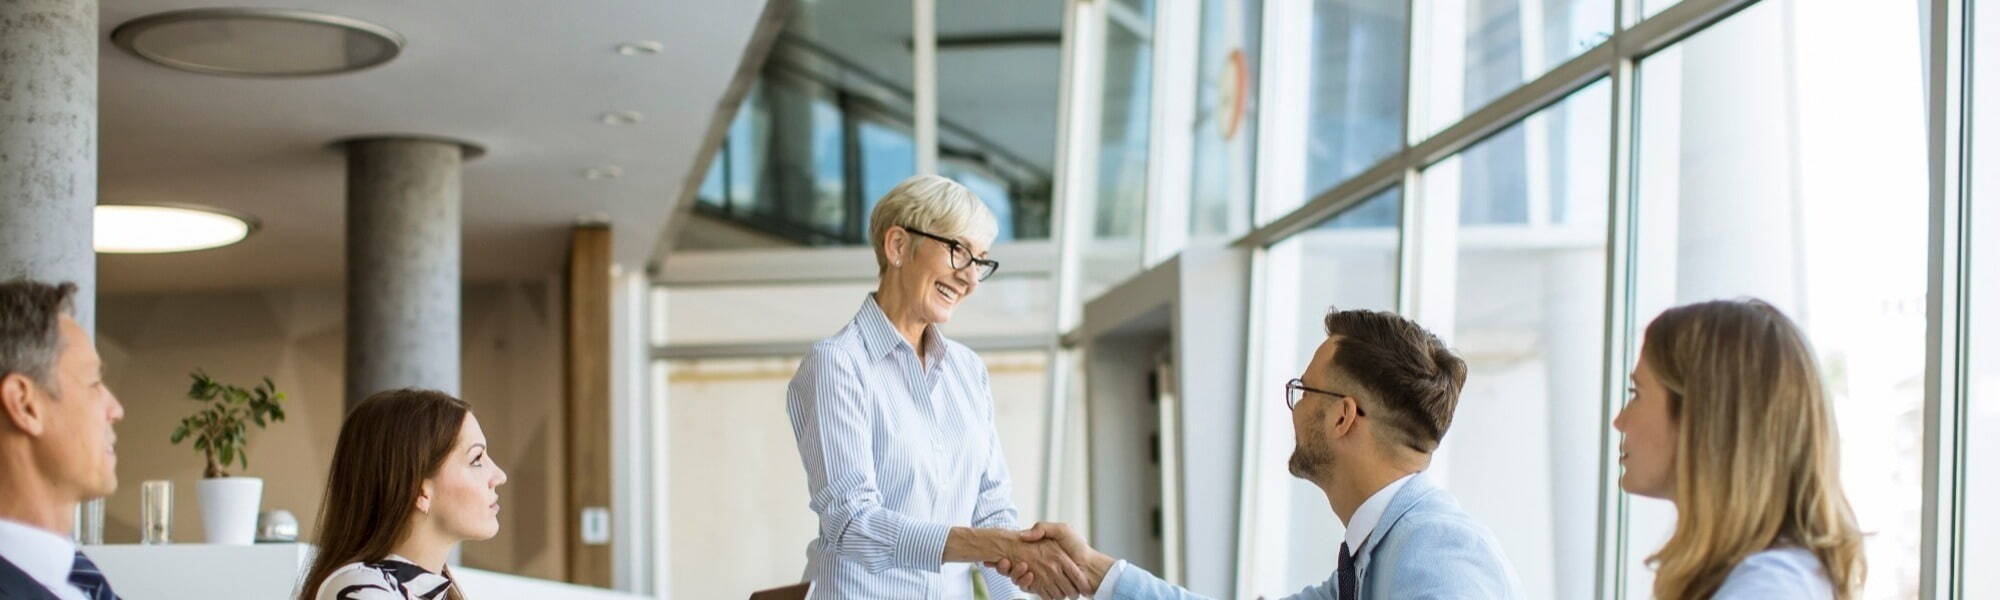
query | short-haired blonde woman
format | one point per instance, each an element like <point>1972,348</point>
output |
<point>894,422</point>
<point>1728,418</point>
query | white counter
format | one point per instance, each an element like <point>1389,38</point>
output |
<point>273,571</point>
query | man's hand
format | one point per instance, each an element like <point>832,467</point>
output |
<point>1053,574</point>
<point>1094,564</point>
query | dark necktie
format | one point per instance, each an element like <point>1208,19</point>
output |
<point>1350,584</point>
<point>84,575</point>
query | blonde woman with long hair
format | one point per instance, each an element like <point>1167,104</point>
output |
<point>1728,419</point>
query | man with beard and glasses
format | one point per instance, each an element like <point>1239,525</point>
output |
<point>1367,415</point>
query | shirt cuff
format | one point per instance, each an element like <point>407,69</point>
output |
<point>1110,584</point>
<point>921,546</point>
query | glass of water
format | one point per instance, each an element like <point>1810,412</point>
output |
<point>156,509</point>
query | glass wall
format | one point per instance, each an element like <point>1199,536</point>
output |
<point>1528,319</point>
<point>1781,156</point>
<point>1124,137</point>
<point>1348,261</point>
<point>1471,52</point>
<point>1225,120</point>
<point>1359,75</point>
<point>1981,532</point>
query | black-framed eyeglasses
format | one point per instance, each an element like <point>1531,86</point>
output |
<point>961,256</point>
<point>1296,388</point>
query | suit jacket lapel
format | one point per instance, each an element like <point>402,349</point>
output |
<point>17,585</point>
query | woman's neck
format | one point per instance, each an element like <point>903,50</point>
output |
<point>425,549</point>
<point>902,315</point>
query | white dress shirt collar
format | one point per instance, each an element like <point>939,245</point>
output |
<point>1362,524</point>
<point>44,555</point>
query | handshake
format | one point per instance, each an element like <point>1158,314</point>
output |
<point>1050,559</point>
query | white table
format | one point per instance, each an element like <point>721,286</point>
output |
<point>273,571</point>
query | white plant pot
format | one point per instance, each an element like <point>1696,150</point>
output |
<point>229,509</point>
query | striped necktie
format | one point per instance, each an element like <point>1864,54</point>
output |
<point>84,575</point>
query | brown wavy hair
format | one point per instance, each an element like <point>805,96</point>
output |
<point>389,444</point>
<point>1757,459</point>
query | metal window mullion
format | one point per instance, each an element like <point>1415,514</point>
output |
<point>1283,113</point>
<point>923,30</point>
<point>1077,115</point>
<point>1947,108</point>
<point>1249,482</point>
<point>1620,281</point>
<point>1170,155</point>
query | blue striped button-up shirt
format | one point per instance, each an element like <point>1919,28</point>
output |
<point>896,452</point>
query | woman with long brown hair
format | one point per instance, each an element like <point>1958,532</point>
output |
<point>411,478</point>
<point>1729,420</point>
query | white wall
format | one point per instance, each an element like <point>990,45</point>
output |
<point>738,500</point>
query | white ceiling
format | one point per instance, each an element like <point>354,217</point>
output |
<point>528,79</point>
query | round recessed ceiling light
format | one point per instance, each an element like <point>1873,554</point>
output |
<point>258,42</point>
<point>603,172</point>
<point>641,48</point>
<point>133,229</point>
<point>623,117</point>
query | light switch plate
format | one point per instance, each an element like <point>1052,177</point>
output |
<point>596,526</point>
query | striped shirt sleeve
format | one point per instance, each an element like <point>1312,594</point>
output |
<point>830,417</point>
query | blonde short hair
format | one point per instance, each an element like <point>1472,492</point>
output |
<point>934,205</point>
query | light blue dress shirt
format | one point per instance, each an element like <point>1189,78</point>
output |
<point>1786,573</point>
<point>896,453</point>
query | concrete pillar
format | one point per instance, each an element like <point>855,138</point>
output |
<point>48,144</point>
<point>403,231</point>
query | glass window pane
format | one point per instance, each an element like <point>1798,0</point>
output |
<point>711,184</point>
<point>749,141</point>
<point>1349,261</point>
<point>1522,452</point>
<point>999,80</point>
<point>1359,82</point>
<point>809,183</point>
<point>1475,51</point>
<point>1981,533</point>
<point>1782,156</point>
<point>990,190</point>
<point>888,156</point>
<point>1653,7</point>
<point>1225,120</point>
<point>1113,251</point>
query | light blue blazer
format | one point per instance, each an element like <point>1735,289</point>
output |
<point>1424,547</point>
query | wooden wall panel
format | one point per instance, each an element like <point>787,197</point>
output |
<point>587,402</point>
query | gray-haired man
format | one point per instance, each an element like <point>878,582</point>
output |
<point>55,443</point>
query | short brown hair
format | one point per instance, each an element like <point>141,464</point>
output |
<point>30,327</point>
<point>1414,377</point>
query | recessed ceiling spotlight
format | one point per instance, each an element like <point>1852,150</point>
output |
<point>603,172</point>
<point>134,229</point>
<point>641,48</point>
<point>623,117</point>
<point>258,42</point>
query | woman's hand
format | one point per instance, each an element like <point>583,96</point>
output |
<point>1093,565</point>
<point>1046,569</point>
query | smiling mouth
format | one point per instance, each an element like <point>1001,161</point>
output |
<point>949,294</point>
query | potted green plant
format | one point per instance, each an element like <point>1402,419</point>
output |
<point>220,430</point>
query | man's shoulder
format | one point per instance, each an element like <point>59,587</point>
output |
<point>1436,543</point>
